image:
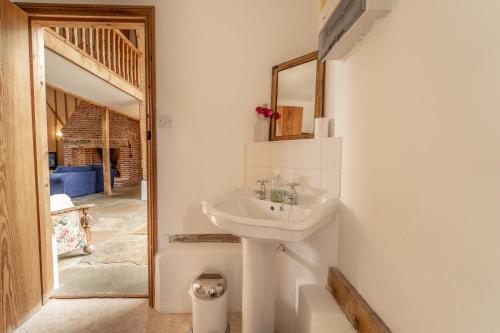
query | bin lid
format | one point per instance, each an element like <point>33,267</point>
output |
<point>209,285</point>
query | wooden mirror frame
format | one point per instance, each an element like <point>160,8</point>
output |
<point>318,101</point>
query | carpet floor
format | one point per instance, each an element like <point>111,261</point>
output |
<point>119,263</point>
<point>109,316</point>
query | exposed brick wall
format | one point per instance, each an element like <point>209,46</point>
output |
<point>129,159</point>
<point>86,124</point>
<point>82,156</point>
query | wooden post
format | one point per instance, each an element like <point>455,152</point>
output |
<point>75,37</point>
<point>41,145</point>
<point>115,65</point>
<point>122,57</point>
<point>108,33</point>
<point>143,121</point>
<point>105,55</point>
<point>97,45</point>
<point>125,57</point>
<point>143,130</point>
<point>84,40</point>
<point>130,64</point>
<point>106,162</point>
<point>124,63</point>
<point>91,41</point>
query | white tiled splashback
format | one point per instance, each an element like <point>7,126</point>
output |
<point>314,163</point>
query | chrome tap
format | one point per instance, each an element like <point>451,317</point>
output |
<point>262,191</point>
<point>292,194</point>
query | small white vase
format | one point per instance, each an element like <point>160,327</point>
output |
<point>261,129</point>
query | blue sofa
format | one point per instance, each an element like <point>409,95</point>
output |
<point>75,181</point>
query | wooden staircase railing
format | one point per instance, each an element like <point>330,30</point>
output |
<point>107,46</point>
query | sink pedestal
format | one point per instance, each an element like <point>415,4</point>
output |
<point>259,267</point>
<point>261,225</point>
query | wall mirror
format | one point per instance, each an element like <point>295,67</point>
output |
<point>297,97</point>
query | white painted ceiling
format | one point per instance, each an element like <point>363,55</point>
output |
<point>298,83</point>
<point>75,80</point>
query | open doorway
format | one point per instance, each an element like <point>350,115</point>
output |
<point>108,257</point>
<point>95,138</point>
<point>98,96</point>
<point>98,212</point>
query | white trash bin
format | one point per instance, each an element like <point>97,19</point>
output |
<point>209,296</point>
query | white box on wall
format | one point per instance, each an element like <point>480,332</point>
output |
<point>326,8</point>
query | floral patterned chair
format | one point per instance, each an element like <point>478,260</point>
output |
<point>72,225</point>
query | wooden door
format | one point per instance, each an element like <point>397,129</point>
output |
<point>20,277</point>
<point>290,121</point>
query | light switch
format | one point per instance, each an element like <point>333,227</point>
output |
<point>164,121</point>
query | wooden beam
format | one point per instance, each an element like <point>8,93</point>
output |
<point>81,59</point>
<point>82,22</point>
<point>143,120</point>
<point>106,162</point>
<point>20,275</point>
<point>59,15</point>
<point>204,238</point>
<point>65,109</point>
<point>356,309</point>
<point>55,113</point>
<point>59,145</point>
<point>39,100</point>
<point>143,133</point>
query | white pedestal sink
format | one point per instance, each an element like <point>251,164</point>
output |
<point>261,224</point>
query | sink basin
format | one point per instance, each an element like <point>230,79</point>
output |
<point>261,224</point>
<point>243,215</point>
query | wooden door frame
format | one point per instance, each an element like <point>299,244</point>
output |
<point>110,15</point>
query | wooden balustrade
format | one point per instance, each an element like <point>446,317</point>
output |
<point>107,46</point>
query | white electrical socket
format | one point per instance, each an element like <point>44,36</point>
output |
<point>164,121</point>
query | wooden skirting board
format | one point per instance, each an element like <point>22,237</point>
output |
<point>87,296</point>
<point>204,238</point>
<point>359,313</point>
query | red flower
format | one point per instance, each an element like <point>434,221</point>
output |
<point>262,110</point>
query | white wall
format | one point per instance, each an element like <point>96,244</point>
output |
<point>179,264</point>
<point>418,107</point>
<point>217,65</point>
<point>315,165</point>
<point>213,67</point>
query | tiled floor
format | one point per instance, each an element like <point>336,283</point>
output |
<point>119,263</point>
<point>117,315</point>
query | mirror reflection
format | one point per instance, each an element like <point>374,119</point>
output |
<point>297,97</point>
<point>295,100</point>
